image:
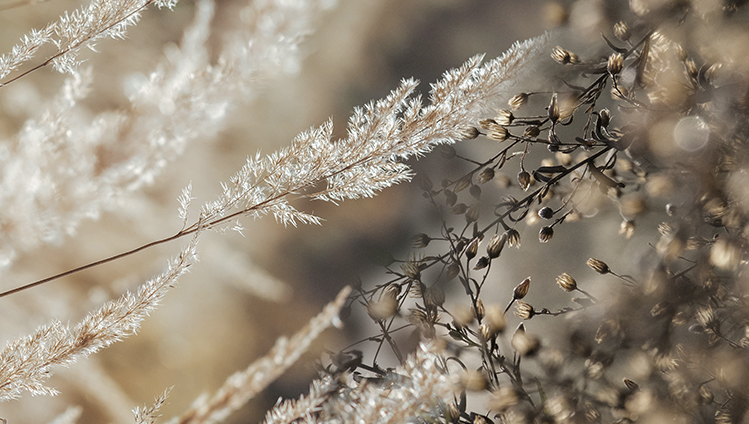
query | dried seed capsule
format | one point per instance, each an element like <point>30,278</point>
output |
<point>513,238</point>
<point>521,289</point>
<point>524,179</point>
<point>545,234</point>
<point>488,124</point>
<point>524,310</point>
<point>564,56</point>
<point>627,228</point>
<point>459,209</point>
<point>495,246</point>
<point>498,133</point>
<point>598,266</point>
<point>621,31</point>
<point>532,131</point>
<point>504,117</point>
<point>566,282</point>
<point>517,101</point>
<point>471,133</point>
<point>420,241</point>
<point>615,63</point>
<point>472,249</point>
<point>482,263</point>
<point>523,343</point>
<point>546,212</point>
<point>478,311</point>
<point>495,319</point>
<point>553,109</point>
<point>452,271</point>
<point>486,175</point>
<point>472,214</point>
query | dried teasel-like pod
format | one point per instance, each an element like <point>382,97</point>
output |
<point>504,117</point>
<point>513,238</point>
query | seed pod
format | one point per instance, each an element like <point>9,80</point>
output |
<point>566,282</point>
<point>524,179</point>
<point>478,311</point>
<point>564,56</point>
<point>452,271</point>
<point>517,101</point>
<point>472,249</point>
<point>486,175</point>
<point>513,238</point>
<point>524,344</point>
<point>621,31</point>
<point>546,212</point>
<point>524,310</point>
<point>482,263</point>
<point>498,133</point>
<point>532,131</point>
<point>420,241</point>
<point>598,266</point>
<point>615,63</point>
<point>472,214</point>
<point>627,228</point>
<point>504,117</point>
<point>470,133</point>
<point>495,246</point>
<point>521,289</point>
<point>545,234</point>
<point>553,109</point>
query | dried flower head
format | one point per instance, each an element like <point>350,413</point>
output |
<point>545,234</point>
<point>524,179</point>
<point>531,131</point>
<point>495,245</point>
<point>495,318</point>
<point>521,289</point>
<point>504,117</point>
<point>598,266</point>
<point>472,249</point>
<point>517,101</point>
<point>546,212</point>
<point>478,310</point>
<point>622,31</point>
<point>420,241</point>
<point>503,399</point>
<point>566,282</point>
<point>615,63</point>
<point>627,228</point>
<point>513,238</point>
<point>523,343</point>
<point>486,175</point>
<point>564,56</point>
<point>524,310</point>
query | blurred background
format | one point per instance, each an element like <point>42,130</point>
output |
<point>247,291</point>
